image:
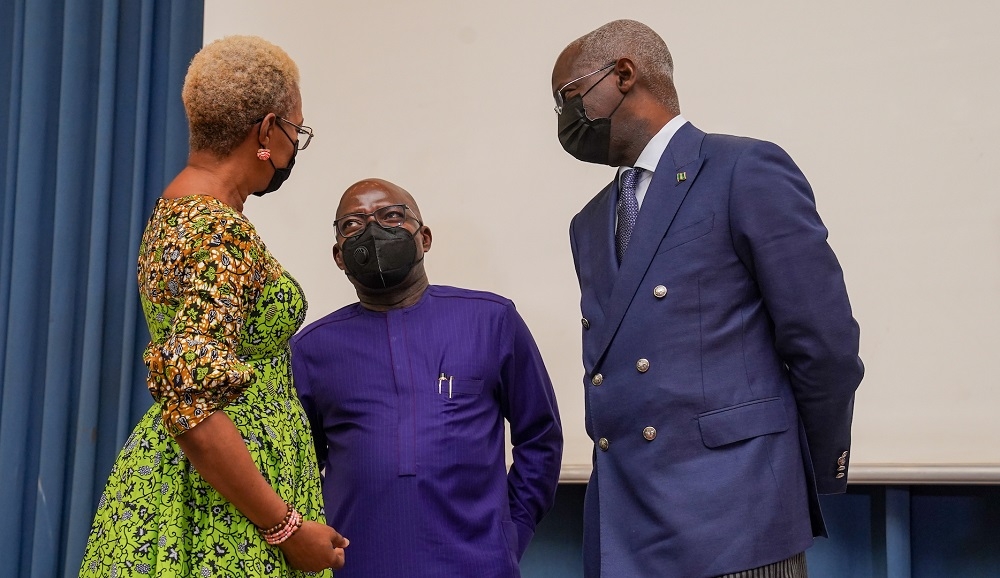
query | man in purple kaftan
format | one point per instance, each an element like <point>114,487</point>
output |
<point>407,392</point>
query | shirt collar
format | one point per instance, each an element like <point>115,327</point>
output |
<point>651,154</point>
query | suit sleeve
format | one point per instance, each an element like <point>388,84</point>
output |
<point>303,388</point>
<point>572,246</point>
<point>782,241</point>
<point>529,405</point>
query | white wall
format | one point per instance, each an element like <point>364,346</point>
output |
<point>890,108</point>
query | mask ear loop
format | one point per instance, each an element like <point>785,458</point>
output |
<point>595,86</point>
<point>619,102</point>
<point>265,154</point>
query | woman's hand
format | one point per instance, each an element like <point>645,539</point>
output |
<point>314,547</point>
<point>217,450</point>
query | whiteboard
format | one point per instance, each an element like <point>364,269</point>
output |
<point>890,109</point>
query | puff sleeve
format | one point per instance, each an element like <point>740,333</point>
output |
<point>207,273</point>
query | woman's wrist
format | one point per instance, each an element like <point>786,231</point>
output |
<point>283,530</point>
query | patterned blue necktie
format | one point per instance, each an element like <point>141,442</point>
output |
<point>628,210</point>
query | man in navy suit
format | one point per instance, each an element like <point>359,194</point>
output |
<point>719,347</point>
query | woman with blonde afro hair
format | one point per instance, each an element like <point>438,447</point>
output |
<point>231,84</point>
<point>220,477</point>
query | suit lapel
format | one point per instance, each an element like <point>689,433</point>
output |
<point>663,198</point>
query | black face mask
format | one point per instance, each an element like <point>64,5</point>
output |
<point>586,139</point>
<point>380,258</point>
<point>280,175</point>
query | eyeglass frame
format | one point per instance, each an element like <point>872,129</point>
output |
<point>371,215</point>
<point>558,95</point>
<point>299,130</point>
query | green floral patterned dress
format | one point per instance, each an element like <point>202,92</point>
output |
<point>220,311</point>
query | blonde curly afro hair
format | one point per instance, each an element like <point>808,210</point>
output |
<point>230,84</point>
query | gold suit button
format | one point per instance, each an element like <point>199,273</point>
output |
<point>841,461</point>
<point>659,291</point>
<point>649,433</point>
<point>840,475</point>
<point>603,444</point>
<point>586,324</point>
<point>597,379</point>
<point>642,365</point>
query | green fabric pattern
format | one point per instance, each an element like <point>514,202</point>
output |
<point>157,515</point>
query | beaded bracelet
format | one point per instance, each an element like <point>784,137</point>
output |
<point>283,530</point>
<point>294,523</point>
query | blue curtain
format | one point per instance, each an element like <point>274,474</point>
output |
<point>92,128</point>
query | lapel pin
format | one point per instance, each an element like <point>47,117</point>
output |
<point>681,177</point>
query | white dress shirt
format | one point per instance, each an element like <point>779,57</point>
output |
<point>650,155</point>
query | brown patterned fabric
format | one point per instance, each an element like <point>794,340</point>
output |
<point>201,268</point>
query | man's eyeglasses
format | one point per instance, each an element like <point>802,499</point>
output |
<point>304,133</point>
<point>559,93</point>
<point>390,216</point>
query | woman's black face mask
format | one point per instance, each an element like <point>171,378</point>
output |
<point>280,175</point>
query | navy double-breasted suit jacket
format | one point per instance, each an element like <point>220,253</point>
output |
<point>721,362</point>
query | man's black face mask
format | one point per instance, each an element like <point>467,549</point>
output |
<point>587,139</point>
<point>380,257</point>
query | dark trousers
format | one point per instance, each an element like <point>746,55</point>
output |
<point>794,567</point>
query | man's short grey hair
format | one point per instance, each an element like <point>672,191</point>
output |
<point>640,43</point>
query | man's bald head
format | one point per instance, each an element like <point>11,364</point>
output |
<point>377,289</point>
<point>368,195</point>
<point>635,41</point>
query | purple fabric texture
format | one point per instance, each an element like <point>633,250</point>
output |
<point>407,409</point>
